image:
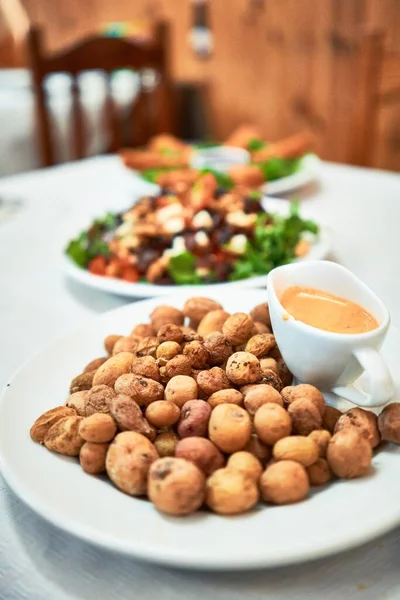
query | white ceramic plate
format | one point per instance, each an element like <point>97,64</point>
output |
<point>310,166</point>
<point>319,250</point>
<point>334,518</point>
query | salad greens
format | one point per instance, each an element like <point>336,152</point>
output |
<point>152,174</point>
<point>222,179</point>
<point>273,244</point>
<point>276,168</point>
<point>255,144</point>
<point>91,243</point>
<point>182,269</point>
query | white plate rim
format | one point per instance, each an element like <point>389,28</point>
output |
<point>387,520</point>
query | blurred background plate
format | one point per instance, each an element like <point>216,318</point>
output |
<point>307,173</point>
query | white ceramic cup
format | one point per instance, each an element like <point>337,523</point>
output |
<point>331,361</point>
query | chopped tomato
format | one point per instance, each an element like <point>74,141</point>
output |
<point>130,274</point>
<point>97,266</point>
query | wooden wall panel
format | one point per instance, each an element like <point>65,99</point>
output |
<point>286,64</point>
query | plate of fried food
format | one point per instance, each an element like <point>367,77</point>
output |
<point>244,160</point>
<point>202,237</point>
<point>173,433</point>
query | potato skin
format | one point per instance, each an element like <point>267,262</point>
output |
<point>305,416</point>
<point>320,472</point>
<point>298,448</point>
<point>330,418</point>
<point>238,328</point>
<point>165,315</point>
<point>212,380</point>
<point>197,354</point>
<point>176,486</point>
<point>43,423</point>
<point>202,452</point>
<point>162,413</point>
<point>146,366</point>
<point>260,394</point>
<point>218,348</point>
<point>110,342</point>
<point>77,401</point>
<point>165,443</point>
<point>197,308</point>
<point>128,416</point>
<point>229,428</point>
<point>94,364</point>
<point>170,333</point>
<point>195,415</point>
<point>142,389</point>
<point>261,313</point>
<point>142,330</point>
<point>227,396</point>
<point>389,423</point>
<point>212,322</point>
<point>304,391</point>
<point>284,482</point>
<point>81,382</point>
<point>284,373</point>
<point>272,423</point>
<point>125,344</point>
<point>179,365</point>
<point>181,389</point>
<point>349,454</point>
<point>230,491</point>
<point>246,462</point>
<point>267,365</point>
<point>260,344</point>
<point>243,368</point>
<point>63,437</point>
<point>98,428</point>
<point>128,462</point>
<point>147,346</point>
<point>92,457</point>
<point>114,367</point>
<point>167,351</point>
<point>322,438</point>
<point>98,400</point>
<point>260,450</point>
<point>363,420</point>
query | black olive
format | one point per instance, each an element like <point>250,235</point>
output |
<point>222,235</point>
<point>145,258</point>
<point>251,205</point>
<point>164,280</point>
<point>222,271</point>
<point>220,191</point>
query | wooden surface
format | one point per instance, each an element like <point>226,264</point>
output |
<point>286,64</point>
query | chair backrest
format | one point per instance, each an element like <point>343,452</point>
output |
<point>152,110</point>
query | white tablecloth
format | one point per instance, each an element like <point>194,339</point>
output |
<point>38,562</point>
<point>19,150</point>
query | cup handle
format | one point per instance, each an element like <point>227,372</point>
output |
<point>380,380</point>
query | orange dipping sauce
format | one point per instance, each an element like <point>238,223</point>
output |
<point>325,311</point>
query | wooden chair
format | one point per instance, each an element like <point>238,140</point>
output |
<point>153,111</point>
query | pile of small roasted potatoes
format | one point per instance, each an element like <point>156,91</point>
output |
<point>196,408</point>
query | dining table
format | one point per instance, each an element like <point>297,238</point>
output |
<point>39,212</point>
